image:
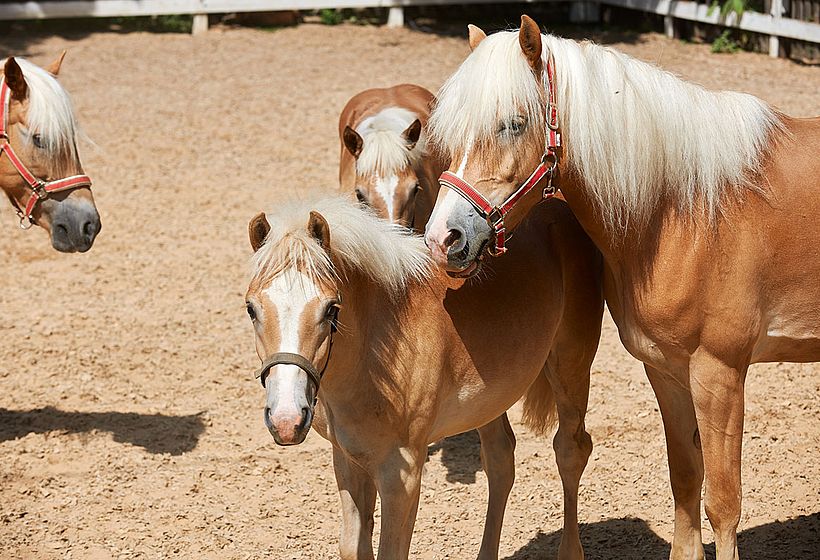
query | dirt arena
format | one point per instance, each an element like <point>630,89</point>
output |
<point>130,425</point>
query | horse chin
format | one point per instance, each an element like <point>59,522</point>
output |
<point>473,269</point>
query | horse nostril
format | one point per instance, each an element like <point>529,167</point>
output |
<point>89,229</point>
<point>452,236</point>
<point>305,418</point>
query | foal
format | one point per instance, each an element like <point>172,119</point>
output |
<point>413,361</point>
<point>385,158</point>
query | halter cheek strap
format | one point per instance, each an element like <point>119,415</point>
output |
<point>494,215</point>
<point>40,189</point>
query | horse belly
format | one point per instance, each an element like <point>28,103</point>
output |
<point>790,338</point>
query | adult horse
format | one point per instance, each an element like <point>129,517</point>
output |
<point>40,169</point>
<point>704,205</point>
<point>413,362</point>
<point>385,158</point>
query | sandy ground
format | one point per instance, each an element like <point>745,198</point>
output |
<point>130,426</point>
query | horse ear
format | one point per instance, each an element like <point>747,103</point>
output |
<point>258,229</point>
<point>319,229</point>
<point>14,79</point>
<point>54,67</point>
<point>476,35</point>
<point>529,37</point>
<point>353,142</point>
<point>412,133</point>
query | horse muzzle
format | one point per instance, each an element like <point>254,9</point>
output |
<point>74,226</point>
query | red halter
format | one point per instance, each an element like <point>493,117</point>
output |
<point>40,189</point>
<point>546,168</point>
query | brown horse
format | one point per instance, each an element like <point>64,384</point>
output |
<point>704,205</point>
<point>40,169</point>
<point>341,298</point>
<point>385,158</point>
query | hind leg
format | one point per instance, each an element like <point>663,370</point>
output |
<point>569,380</point>
<point>685,463</point>
<point>498,459</point>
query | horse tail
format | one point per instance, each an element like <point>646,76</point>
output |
<point>540,414</point>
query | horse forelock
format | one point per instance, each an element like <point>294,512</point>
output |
<point>389,255</point>
<point>638,137</point>
<point>51,116</point>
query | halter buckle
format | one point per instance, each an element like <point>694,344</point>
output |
<point>495,217</point>
<point>38,189</point>
<point>552,110</point>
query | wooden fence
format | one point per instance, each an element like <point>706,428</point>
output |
<point>792,19</point>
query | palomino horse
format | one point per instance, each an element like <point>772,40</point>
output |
<point>704,205</point>
<point>40,169</point>
<point>384,153</point>
<point>387,162</point>
<point>413,362</point>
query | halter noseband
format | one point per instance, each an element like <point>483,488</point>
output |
<point>300,361</point>
<point>494,215</point>
<point>40,189</point>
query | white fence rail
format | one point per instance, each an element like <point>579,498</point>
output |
<point>769,24</point>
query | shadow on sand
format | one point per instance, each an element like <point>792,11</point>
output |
<point>460,455</point>
<point>156,433</point>
<point>632,539</point>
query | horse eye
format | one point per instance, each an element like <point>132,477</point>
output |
<point>513,127</point>
<point>251,311</point>
<point>360,196</point>
<point>37,140</point>
<point>417,187</point>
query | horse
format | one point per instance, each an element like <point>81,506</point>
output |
<point>348,308</point>
<point>703,204</point>
<point>41,174</point>
<point>385,158</point>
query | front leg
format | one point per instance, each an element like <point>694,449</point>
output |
<point>685,462</point>
<point>399,485</point>
<point>498,459</point>
<point>717,393</point>
<point>357,493</point>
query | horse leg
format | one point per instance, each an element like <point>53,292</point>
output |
<point>399,485</point>
<point>498,459</point>
<point>569,379</point>
<point>685,463</point>
<point>357,493</point>
<point>717,393</point>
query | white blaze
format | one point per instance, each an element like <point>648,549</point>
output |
<point>386,187</point>
<point>290,292</point>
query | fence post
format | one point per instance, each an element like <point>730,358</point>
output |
<point>582,11</point>
<point>774,40</point>
<point>669,26</point>
<point>395,17</point>
<point>200,24</point>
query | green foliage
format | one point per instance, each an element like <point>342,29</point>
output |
<point>331,17</point>
<point>729,6</point>
<point>725,44</point>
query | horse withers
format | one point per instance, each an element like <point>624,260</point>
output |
<point>386,160</point>
<point>40,169</point>
<point>704,205</point>
<point>353,323</point>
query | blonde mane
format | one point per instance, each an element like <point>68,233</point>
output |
<point>385,149</point>
<point>638,136</point>
<point>387,254</point>
<point>51,115</point>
